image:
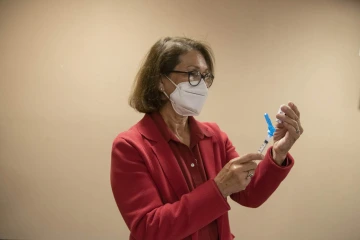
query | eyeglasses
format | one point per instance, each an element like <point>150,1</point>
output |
<point>194,77</point>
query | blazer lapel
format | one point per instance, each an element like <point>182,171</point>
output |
<point>171,168</point>
<point>164,155</point>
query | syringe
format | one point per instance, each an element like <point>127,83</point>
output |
<point>271,131</point>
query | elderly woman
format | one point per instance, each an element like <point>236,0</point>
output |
<point>171,175</point>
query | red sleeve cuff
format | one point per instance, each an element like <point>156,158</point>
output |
<point>214,201</point>
<point>220,196</point>
<point>288,162</point>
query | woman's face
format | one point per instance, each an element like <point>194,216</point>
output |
<point>190,61</point>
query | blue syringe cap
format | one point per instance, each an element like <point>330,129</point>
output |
<point>271,129</point>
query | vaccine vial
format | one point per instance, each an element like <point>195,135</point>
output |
<point>281,112</point>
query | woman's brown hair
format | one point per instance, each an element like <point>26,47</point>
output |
<point>161,59</point>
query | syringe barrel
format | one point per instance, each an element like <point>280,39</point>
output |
<point>263,145</point>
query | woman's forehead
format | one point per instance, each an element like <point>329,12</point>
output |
<point>193,59</point>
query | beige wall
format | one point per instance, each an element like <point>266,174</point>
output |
<point>66,68</point>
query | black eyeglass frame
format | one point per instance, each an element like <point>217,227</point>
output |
<point>203,76</point>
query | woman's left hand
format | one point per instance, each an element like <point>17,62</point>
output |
<point>287,132</point>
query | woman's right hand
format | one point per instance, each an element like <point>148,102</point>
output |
<point>234,175</point>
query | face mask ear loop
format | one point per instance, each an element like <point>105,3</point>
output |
<point>166,94</point>
<point>168,97</point>
<point>171,81</point>
<point>163,90</point>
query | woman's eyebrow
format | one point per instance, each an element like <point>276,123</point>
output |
<point>196,67</point>
<point>192,66</point>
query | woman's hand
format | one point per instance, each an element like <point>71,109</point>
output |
<point>237,173</point>
<point>287,132</point>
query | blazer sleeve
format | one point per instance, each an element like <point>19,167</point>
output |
<point>267,177</point>
<point>140,204</point>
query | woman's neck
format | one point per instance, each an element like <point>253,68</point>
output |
<point>176,123</point>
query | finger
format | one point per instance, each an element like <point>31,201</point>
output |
<point>300,127</point>
<point>288,120</point>
<point>297,126</point>
<point>250,174</point>
<point>294,108</point>
<point>246,167</point>
<point>244,177</point>
<point>244,180</point>
<point>248,157</point>
<point>289,112</point>
<point>292,130</point>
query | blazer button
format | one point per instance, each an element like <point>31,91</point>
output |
<point>192,165</point>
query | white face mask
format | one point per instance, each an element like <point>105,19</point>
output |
<point>188,100</point>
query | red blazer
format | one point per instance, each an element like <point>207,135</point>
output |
<point>151,192</point>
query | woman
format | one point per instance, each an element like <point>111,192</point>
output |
<point>171,175</point>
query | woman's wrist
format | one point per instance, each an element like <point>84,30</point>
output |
<point>220,187</point>
<point>278,158</point>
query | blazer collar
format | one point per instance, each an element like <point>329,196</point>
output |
<point>149,130</point>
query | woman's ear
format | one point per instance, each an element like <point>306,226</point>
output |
<point>162,90</point>
<point>161,86</point>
